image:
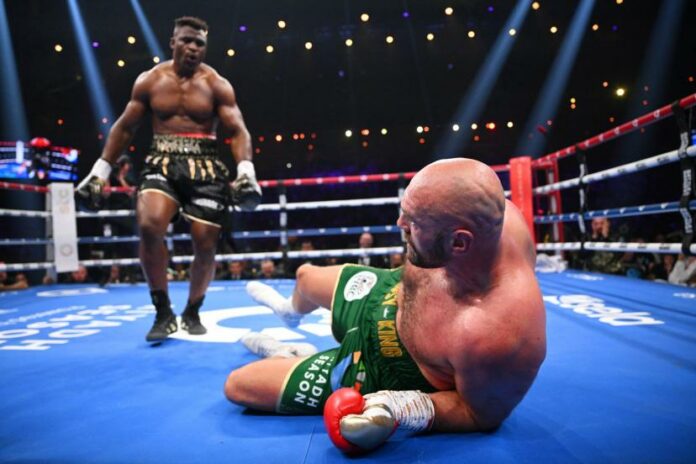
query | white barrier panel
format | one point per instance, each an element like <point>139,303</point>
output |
<point>64,226</point>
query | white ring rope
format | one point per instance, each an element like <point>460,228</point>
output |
<point>636,247</point>
<point>263,207</point>
<point>222,257</point>
<point>641,165</point>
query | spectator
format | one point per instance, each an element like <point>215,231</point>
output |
<point>684,271</point>
<point>603,261</point>
<point>396,260</point>
<point>19,281</point>
<point>365,241</point>
<point>661,270</point>
<point>636,265</point>
<point>268,269</point>
<point>236,270</point>
<point>114,275</point>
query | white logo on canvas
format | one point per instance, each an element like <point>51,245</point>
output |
<point>359,285</point>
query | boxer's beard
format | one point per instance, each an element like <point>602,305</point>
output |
<point>433,258</point>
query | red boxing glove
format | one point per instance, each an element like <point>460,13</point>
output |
<point>354,428</point>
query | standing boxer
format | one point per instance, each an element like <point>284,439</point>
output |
<point>183,173</point>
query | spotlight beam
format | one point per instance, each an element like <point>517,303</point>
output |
<point>150,39</point>
<point>547,103</point>
<point>476,97</point>
<point>98,98</point>
<point>14,118</point>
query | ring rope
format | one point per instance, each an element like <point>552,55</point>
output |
<point>626,211</point>
<point>253,234</point>
<point>636,247</point>
<point>334,253</point>
<point>630,126</point>
<point>264,207</point>
<point>637,166</point>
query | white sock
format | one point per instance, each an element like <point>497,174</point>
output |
<point>268,296</point>
<point>268,347</point>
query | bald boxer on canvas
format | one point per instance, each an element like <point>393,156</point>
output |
<point>183,172</point>
<point>450,342</point>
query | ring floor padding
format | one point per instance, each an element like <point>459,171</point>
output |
<point>79,384</point>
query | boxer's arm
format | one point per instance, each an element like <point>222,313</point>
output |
<point>231,119</point>
<point>126,125</point>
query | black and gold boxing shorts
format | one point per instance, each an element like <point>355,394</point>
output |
<point>187,169</point>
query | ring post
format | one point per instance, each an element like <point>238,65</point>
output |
<point>521,189</point>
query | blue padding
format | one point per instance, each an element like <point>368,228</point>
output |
<point>607,393</point>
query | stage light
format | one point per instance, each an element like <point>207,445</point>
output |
<point>288,165</point>
<point>278,138</point>
<point>471,34</point>
<point>390,39</point>
<point>349,133</point>
<point>262,138</point>
<point>105,120</point>
<point>60,121</point>
<point>572,106</point>
<point>155,59</point>
<point>535,5</point>
<point>269,48</point>
<point>365,132</point>
<point>257,151</point>
<point>365,144</point>
<point>476,138</point>
<point>620,92</point>
<point>384,131</point>
<point>58,48</point>
<point>349,42</point>
<point>152,44</point>
<point>295,137</point>
<point>449,11</point>
<point>131,39</point>
<point>572,100</point>
<point>95,44</point>
<point>595,27</point>
<point>619,2</point>
<point>364,17</point>
<point>455,127</point>
<point>512,32</point>
<point>308,45</point>
<point>120,63</point>
<point>281,24</point>
<point>230,52</point>
<point>691,78</point>
<point>553,29</point>
<point>421,140</point>
<point>474,126</point>
<point>242,28</point>
<point>510,124</point>
<point>430,36</point>
<point>605,84</point>
<point>419,129</point>
<point>490,126</point>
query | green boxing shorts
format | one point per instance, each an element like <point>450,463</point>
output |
<point>370,357</point>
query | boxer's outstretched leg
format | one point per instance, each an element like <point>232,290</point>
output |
<point>313,289</point>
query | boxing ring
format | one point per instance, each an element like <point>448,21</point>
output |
<point>80,384</point>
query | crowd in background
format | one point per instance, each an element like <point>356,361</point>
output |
<point>675,269</point>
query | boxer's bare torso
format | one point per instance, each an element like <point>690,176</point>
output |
<point>486,346</point>
<point>180,104</point>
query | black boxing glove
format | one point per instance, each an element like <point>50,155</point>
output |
<point>246,191</point>
<point>90,190</point>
